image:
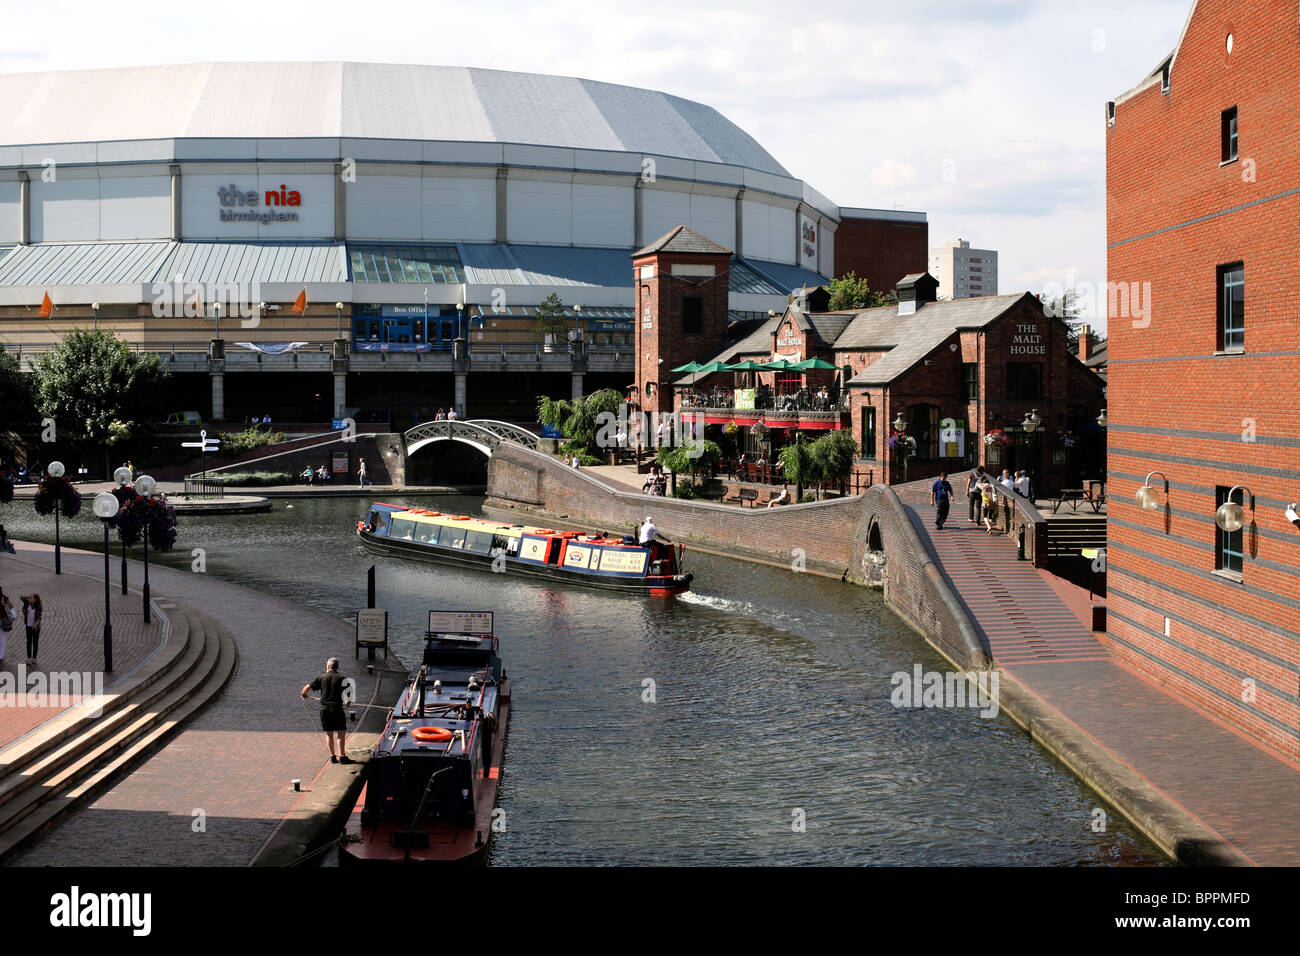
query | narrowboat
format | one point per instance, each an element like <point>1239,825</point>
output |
<point>431,781</point>
<point>599,560</point>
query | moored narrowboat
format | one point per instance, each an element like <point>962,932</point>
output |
<point>614,562</point>
<point>432,778</point>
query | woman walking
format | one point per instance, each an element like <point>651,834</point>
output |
<point>32,618</point>
<point>990,502</point>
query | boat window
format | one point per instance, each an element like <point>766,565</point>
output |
<point>428,533</point>
<point>480,542</point>
<point>402,528</point>
<point>375,520</point>
<point>452,537</point>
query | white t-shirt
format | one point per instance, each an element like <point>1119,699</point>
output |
<point>31,615</point>
<point>648,532</point>
<point>1022,485</point>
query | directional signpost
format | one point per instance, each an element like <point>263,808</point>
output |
<point>205,444</point>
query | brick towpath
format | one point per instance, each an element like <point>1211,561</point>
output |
<point>1244,793</point>
<point>235,760</point>
<point>72,642</point>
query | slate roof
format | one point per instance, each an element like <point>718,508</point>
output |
<point>681,239</point>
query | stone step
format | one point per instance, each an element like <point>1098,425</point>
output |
<point>102,763</point>
<point>18,757</point>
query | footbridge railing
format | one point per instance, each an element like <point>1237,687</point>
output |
<point>485,434</point>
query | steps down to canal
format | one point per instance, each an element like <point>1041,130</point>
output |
<point>76,757</point>
<point>1068,534</point>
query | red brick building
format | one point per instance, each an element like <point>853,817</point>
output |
<point>881,245</point>
<point>956,371</point>
<point>1203,194</point>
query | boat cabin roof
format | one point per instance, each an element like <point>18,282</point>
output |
<point>427,516</point>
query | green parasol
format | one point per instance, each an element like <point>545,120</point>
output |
<point>688,367</point>
<point>807,365</point>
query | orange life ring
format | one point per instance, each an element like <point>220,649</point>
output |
<point>544,531</point>
<point>460,518</point>
<point>569,534</point>
<point>431,735</point>
<point>435,514</point>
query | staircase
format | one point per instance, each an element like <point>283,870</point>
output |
<point>73,759</point>
<point>1067,534</point>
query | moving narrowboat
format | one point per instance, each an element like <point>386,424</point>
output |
<point>431,782</point>
<point>593,560</point>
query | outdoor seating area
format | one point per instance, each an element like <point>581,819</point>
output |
<point>824,399</point>
<point>1092,494</point>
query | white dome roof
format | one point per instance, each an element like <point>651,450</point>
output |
<point>365,101</point>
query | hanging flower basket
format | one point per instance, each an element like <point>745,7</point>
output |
<point>156,513</point>
<point>731,428</point>
<point>899,440</point>
<point>61,490</point>
<point>1066,439</point>
<point>760,432</point>
<point>997,438</point>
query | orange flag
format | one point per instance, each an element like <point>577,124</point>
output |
<point>47,306</point>
<point>300,304</point>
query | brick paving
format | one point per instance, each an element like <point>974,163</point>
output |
<point>72,640</point>
<point>1248,795</point>
<point>233,763</point>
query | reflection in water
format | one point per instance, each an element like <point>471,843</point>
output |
<point>699,729</point>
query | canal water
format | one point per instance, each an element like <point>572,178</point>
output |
<point>749,722</point>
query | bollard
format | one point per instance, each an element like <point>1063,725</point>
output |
<point>297,785</point>
<point>1020,544</point>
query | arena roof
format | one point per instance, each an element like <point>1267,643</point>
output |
<point>366,101</point>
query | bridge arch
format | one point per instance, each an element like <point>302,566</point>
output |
<point>483,434</point>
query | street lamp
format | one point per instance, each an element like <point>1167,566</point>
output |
<point>900,423</point>
<point>460,307</point>
<point>216,311</point>
<point>145,486</point>
<point>56,470</point>
<point>94,307</point>
<point>1101,419</point>
<point>122,476</point>
<point>1031,422</point>
<point>1230,516</point>
<point>106,507</point>
<point>338,330</point>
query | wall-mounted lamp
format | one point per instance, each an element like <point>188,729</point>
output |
<point>1101,419</point>
<point>1031,422</point>
<point>1292,516</point>
<point>900,423</point>
<point>1231,517</point>
<point>1147,497</point>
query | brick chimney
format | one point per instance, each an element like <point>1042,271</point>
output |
<point>1085,343</point>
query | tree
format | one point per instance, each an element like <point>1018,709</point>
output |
<point>833,455</point>
<point>1066,306</point>
<point>95,388</point>
<point>680,461</point>
<point>798,465</point>
<point>549,316</point>
<point>850,292</point>
<point>579,420</point>
<point>15,390</point>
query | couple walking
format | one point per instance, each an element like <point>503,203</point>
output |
<point>982,498</point>
<point>31,618</point>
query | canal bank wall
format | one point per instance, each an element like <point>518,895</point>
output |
<point>870,540</point>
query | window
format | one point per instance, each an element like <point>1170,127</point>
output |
<point>1232,307</point>
<point>1227,546</point>
<point>1229,135</point>
<point>970,381</point>
<point>869,432</point>
<point>923,425</point>
<point>787,383</point>
<point>1024,380</point>
<point>692,315</point>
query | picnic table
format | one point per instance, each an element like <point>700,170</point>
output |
<point>1072,495</point>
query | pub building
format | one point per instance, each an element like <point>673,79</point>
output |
<point>989,380</point>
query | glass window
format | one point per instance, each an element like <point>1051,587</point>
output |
<point>1229,135</point>
<point>692,315</point>
<point>1232,307</point>
<point>480,542</point>
<point>1227,551</point>
<point>923,425</point>
<point>452,537</point>
<point>1024,380</point>
<point>869,432</point>
<point>970,381</point>
<point>403,528</point>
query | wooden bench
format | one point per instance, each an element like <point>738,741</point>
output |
<point>744,495</point>
<point>1072,495</point>
<point>1095,495</point>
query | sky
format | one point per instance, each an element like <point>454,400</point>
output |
<point>988,115</point>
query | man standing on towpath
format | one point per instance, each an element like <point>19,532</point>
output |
<point>332,719</point>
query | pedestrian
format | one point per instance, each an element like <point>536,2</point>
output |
<point>332,719</point>
<point>441,416</point>
<point>941,495</point>
<point>1006,481</point>
<point>973,495</point>
<point>1022,483</point>
<point>451,415</point>
<point>361,473</point>
<point>7,617</point>
<point>989,498</point>
<point>32,619</point>
<point>5,543</point>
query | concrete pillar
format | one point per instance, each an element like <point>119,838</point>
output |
<point>24,208</point>
<point>638,214</point>
<point>177,227</point>
<point>340,205</point>
<point>502,202</point>
<point>575,390</point>
<point>798,234</point>
<point>461,378</point>
<point>340,393</point>
<point>739,245</point>
<point>218,396</point>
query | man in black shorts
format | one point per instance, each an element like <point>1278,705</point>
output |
<point>332,719</point>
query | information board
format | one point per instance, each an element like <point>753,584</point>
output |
<point>372,629</point>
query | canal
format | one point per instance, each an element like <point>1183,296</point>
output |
<point>749,722</point>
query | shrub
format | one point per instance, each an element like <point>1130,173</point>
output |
<point>261,479</point>
<point>234,443</point>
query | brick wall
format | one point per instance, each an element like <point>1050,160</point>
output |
<point>881,251</point>
<point>373,448</point>
<point>1230,645</point>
